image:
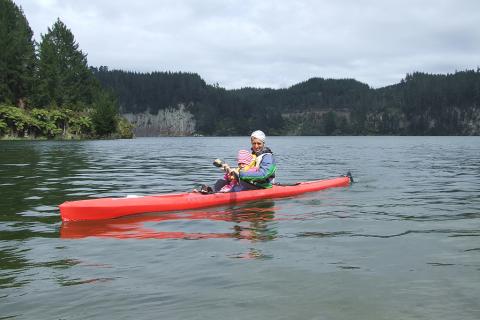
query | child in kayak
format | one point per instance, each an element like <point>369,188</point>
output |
<point>245,161</point>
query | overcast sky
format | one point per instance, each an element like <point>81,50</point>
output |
<point>271,43</point>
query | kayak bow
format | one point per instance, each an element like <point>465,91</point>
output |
<point>109,208</point>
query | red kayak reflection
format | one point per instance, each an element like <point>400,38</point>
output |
<point>249,223</point>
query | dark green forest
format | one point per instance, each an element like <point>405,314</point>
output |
<point>47,89</point>
<point>421,104</point>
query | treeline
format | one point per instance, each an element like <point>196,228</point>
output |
<point>421,104</point>
<point>430,104</point>
<point>47,89</point>
<point>216,110</point>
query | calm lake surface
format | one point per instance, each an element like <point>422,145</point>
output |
<point>403,242</point>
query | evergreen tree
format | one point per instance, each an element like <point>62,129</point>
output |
<point>63,77</point>
<point>17,54</point>
<point>104,116</point>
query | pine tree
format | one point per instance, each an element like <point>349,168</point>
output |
<point>17,54</point>
<point>104,116</point>
<point>63,77</point>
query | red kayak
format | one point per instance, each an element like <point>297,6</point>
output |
<point>108,208</point>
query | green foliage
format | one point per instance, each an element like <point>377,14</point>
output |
<point>124,128</point>
<point>52,123</point>
<point>81,125</point>
<point>104,115</point>
<point>36,123</point>
<point>17,120</point>
<point>3,126</point>
<point>330,122</point>
<point>17,55</point>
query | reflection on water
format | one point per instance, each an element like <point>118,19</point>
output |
<point>252,253</point>
<point>35,176</point>
<point>248,222</point>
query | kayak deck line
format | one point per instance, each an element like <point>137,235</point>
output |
<point>109,208</point>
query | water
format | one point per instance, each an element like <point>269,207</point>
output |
<point>401,243</point>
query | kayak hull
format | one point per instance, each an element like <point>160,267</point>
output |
<point>109,208</point>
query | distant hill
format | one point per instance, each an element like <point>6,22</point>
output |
<point>175,103</point>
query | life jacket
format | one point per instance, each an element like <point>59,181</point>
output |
<point>257,157</point>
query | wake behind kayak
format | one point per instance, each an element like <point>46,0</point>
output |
<point>109,208</point>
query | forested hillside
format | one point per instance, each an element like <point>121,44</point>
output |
<point>421,104</point>
<point>47,90</point>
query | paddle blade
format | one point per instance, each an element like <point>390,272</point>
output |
<point>218,163</point>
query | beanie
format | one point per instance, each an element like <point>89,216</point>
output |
<point>259,135</point>
<point>244,157</point>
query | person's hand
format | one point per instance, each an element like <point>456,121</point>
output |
<point>231,176</point>
<point>234,174</point>
<point>226,167</point>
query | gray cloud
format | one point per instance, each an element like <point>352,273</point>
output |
<point>268,43</point>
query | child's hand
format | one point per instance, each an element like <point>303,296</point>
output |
<point>226,167</point>
<point>231,176</point>
<point>234,174</point>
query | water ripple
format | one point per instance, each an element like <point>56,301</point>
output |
<point>403,238</point>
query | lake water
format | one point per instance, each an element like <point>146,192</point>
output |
<point>403,242</point>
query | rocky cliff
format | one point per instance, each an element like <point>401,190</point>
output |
<point>173,121</point>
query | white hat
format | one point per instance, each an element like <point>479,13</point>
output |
<point>259,135</point>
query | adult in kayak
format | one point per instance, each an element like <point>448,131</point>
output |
<point>262,173</point>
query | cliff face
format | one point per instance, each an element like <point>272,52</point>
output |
<point>167,122</point>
